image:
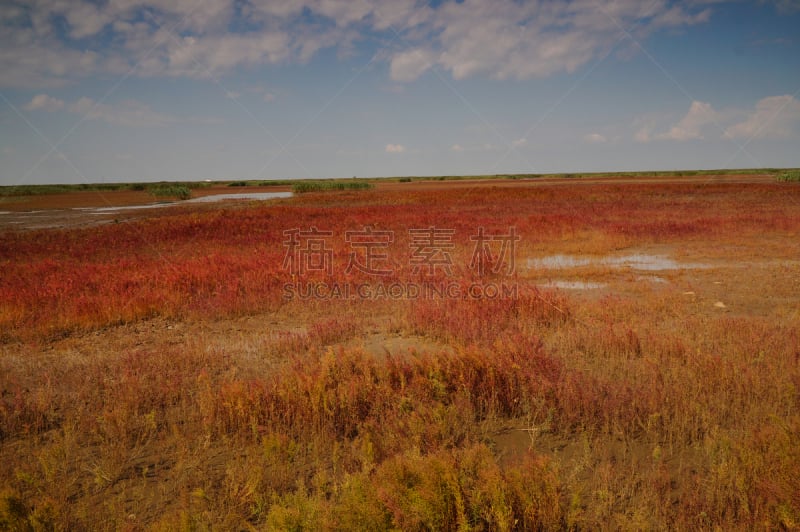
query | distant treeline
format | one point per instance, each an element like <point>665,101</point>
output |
<point>317,185</point>
<point>154,188</point>
<point>302,186</point>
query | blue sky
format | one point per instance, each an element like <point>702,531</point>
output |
<point>130,90</point>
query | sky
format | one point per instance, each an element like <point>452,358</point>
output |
<point>95,91</point>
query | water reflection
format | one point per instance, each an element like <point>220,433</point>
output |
<point>637,261</point>
<point>253,196</point>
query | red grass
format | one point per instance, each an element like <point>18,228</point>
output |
<point>228,262</point>
<point>641,413</point>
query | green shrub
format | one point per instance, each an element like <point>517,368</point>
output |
<point>790,176</point>
<point>238,184</point>
<point>181,192</point>
<point>324,186</point>
<point>275,183</point>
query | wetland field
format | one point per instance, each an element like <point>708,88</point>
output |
<point>487,354</point>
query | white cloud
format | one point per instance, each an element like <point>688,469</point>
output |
<point>595,138</point>
<point>344,12</point>
<point>10,12</point>
<point>408,66</point>
<point>84,18</point>
<point>25,62</point>
<point>519,143</point>
<point>50,43</point>
<point>43,102</point>
<point>473,148</point>
<point>773,117</point>
<point>211,56</point>
<point>700,120</point>
<point>400,14</point>
<point>785,7</point>
<point>645,125</point>
<point>128,113</point>
<point>395,148</point>
<point>266,95</point>
<point>643,135</point>
<point>690,126</point>
<point>521,40</point>
<point>57,42</point>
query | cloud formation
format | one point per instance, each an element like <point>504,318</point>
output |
<point>51,43</point>
<point>522,40</point>
<point>395,148</point>
<point>773,117</point>
<point>690,126</point>
<point>129,113</point>
<point>43,102</point>
<point>408,66</point>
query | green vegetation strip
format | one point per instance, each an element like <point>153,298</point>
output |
<point>181,192</point>
<point>324,186</point>
<point>36,190</point>
<point>320,185</point>
<point>791,176</point>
